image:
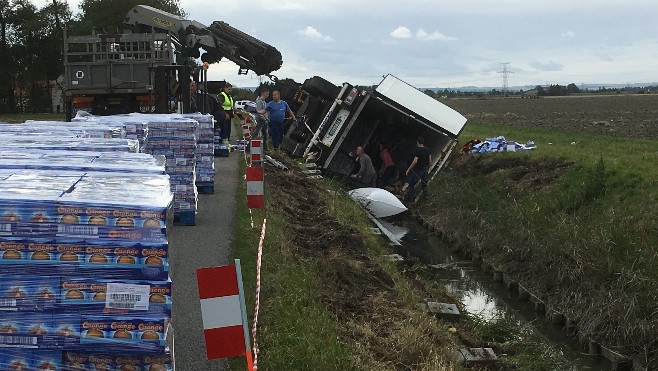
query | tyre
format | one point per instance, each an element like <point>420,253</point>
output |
<point>321,88</point>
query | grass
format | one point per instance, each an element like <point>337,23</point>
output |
<point>21,117</point>
<point>295,330</point>
<point>587,239</point>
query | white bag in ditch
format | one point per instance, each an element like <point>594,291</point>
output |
<point>380,202</point>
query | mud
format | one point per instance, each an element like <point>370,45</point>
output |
<point>520,174</point>
<point>617,115</point>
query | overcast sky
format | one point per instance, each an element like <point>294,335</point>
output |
<point>438,43</point>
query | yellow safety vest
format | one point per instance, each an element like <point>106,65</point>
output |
<point>227,105</point>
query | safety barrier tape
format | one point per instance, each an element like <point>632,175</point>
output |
<point>257,305</point>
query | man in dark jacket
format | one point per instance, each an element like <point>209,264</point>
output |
<point>197,105</point>
<point>419,168</point>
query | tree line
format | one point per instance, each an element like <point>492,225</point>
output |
<point>31,44</point>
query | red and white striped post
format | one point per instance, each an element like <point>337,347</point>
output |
<point>256,151</point>
<point>255,188</point>
<point>246,132</point>
<point>223,312</point>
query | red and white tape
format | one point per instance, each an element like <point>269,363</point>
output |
<point>246,132</point>
<point>257,305</point>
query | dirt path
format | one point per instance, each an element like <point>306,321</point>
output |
<point>204,245</point>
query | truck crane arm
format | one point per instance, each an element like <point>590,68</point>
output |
<point>220,40</point>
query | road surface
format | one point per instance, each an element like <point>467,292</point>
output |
<point>204,245</point>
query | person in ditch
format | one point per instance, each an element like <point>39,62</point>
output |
<point>418,169</point>
<point>278,110</point>
<point>387,170</point>
<point>367,173</point>
<point>262,119</point>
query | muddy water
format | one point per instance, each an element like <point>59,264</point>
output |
<point>485,298</point>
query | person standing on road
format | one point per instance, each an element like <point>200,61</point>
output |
<point>197,101</point>
<point>262,119</point>
<point>278,110</point>
<point>225,116</point>
<point>367,173</point>
<point>387,171</point>
<point>418,170</point>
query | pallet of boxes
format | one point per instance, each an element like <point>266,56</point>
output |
<point>175,138</point>
<point>84,228</point>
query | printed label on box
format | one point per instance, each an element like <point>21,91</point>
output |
<point>127,296</point>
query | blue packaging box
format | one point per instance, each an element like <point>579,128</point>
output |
<point>28,293</point>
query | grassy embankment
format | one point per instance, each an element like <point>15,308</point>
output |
<point>576,220</point>
<point>328,305</point>
<point>294,328</point>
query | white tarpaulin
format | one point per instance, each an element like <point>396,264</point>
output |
<point>380,202</point>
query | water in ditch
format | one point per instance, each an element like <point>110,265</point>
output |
<point>486,299</point>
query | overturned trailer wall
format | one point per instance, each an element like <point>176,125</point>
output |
<point>394,114</point>
<point>378,123</point>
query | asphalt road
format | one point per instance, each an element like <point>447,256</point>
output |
<point>204,245</point>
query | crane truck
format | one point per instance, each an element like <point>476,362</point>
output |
<point>148,67</point>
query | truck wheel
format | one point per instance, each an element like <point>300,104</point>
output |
<point>321,88</point>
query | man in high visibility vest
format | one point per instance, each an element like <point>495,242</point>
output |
<point>225,115</point>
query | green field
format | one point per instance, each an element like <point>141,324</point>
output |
<point>574,219</point>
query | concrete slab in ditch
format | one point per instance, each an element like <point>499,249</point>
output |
<point>444,310</point>
<point>394,258</point>
<point>477,356</point>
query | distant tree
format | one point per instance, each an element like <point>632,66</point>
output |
<point>429,92</point>
<point>572,89</point>
<point>106,16</point>
<point>243,94</point>
<point>540,90</point>
<point>7,103</point>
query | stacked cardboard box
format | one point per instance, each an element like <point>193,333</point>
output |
<point>84,256</point>
<point>176,139</point>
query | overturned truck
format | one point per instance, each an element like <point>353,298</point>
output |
<point>338,119</point>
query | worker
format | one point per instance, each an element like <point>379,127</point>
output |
<point>367,173</point>
<point>278,110</point>
<point>418,169</point>
<point>387,170</point>
<point>226,102</point>
<point>262,119</point>
<point>197,99</point>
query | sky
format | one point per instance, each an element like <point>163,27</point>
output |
<point>437,43</point>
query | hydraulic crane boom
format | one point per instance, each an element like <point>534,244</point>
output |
<point>219,40</point>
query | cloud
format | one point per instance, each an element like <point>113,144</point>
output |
<point>401,33</point>
<point>546,66</point>
<point>568,34</point>
<point>434,36</point>
<point>312,33</point>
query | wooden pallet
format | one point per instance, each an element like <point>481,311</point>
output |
<point>206,189</point>
<point>185,218</point>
